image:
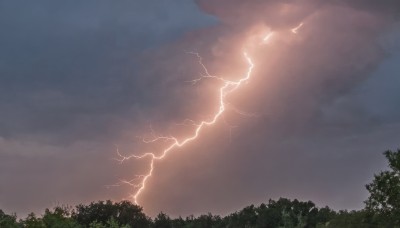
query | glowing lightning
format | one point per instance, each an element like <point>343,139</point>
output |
<point>227,88</point>
<point>268,36</point>
<point>296,29</point>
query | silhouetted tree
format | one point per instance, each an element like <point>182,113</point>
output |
<point>60,217</point>
<point>352,219</point>
<point>124,213</point>
<point>178,223</point>
<point>8,220</point>
<point>162,221</point>
<point>111,223</point>
<point>206,221</point>
<point>31,221</point>
<point>383,204</point>
<point>268,216</point>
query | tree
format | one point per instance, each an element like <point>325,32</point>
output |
<point>33,222</point>
<point>162,221</point>
<point>111,223</point>
<point>384,199</point>
<point>207,221</point>
<point>60,217</point>
<point>124,213</point>
<point>178,222</point>
<point>9,221</point>
<point>325,215</point>
<point>269,216</point>
<point>348,219</point>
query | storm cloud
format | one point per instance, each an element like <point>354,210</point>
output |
<point>77,79</point>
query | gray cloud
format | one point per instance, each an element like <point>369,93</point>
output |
<point>65,63</point>
<point>70,78</point>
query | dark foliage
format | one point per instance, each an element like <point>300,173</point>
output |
<point>124,213</point>
<point>8,220</point>
<point>383,204</point>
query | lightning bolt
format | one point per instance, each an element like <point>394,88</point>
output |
<point>296,29</point>
<point>268,36</point>
<point>228,87</point>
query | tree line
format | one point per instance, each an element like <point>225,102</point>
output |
<point>382,209</point>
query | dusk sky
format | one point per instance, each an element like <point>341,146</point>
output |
<point>81,79</point>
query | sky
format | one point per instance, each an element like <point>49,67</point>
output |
<point>79,80</point>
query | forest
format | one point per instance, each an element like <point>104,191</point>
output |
<point>382,209</point>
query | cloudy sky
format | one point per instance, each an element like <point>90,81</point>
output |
<point>80,79</point>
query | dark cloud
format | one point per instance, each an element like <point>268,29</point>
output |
<point>70,76</point>
<point>71,64</point>
<point>386,7</point>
